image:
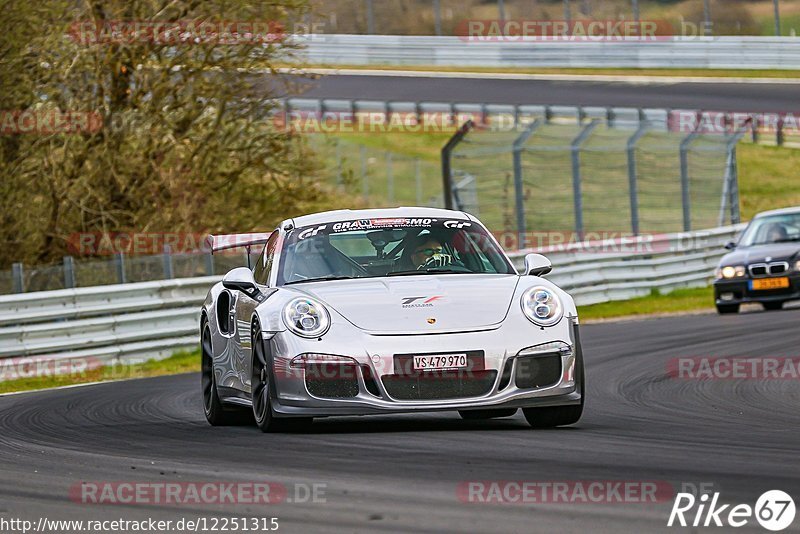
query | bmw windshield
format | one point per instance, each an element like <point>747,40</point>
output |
<point>368,248</point>
<point>770,229</point>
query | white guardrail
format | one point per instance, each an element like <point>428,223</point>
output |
<point>674,52</point>
<point>134,322</point>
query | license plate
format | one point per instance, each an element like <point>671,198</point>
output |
<point>771,283</point>
<point>440,361</point>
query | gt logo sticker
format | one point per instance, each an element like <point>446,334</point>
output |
<point>420,302</point>
<point>456,224</point>
<point>310,232</point>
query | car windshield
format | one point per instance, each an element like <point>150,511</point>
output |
<point>772,229</point>
<point>368,248</point>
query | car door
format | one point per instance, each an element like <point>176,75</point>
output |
<point>246,305</point>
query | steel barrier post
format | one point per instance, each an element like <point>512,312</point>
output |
<point>167,259</point>
<point>389,178</point>
<point>17,278</point>
<point>362,153</point>
<point>446,154</point>
<point>685,192</point>
<point>577,195</point>
<point>69,272</point>
<point>519,190</point>
<point>119,260</point>
<point>633,189</point>
<point>209,264</point>
<point>418,181</point>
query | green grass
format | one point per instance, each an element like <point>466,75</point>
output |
<point>181,362</point>
<point>680,300</point>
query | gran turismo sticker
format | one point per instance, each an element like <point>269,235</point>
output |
<point>368,224</point>
<point>457,224</point>
<point>311,231</point>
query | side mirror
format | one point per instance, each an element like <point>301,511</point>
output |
<point>730,245</point>
<point>537,265</point>
<point>240,279</point>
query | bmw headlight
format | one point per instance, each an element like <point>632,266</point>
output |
<point>730,271</point>
<point>306,317</point>
<point>542,306</point>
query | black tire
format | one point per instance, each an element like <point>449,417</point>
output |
<point>553,416</point>
<point>724,309</point>
<point>216,413</point>
<point>479,415</point>
<point>773,306</point>
<point>261,393</point>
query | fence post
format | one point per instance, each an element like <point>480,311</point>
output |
<point>418,181</point>
<point>501,10</point>
<point>577,195</point>
<point>447,151</point>
<point>777,10</point>
<point>685,193</point>
<point>389,178</point>
<point>437,17</point>
<point>167,259</point>
<point>119,260</point>
<point>519,190</point>
<point>17,278</point>
<point>779,134</point>
<point>370,18</point>
<point>706,18</point>
<point>730,191</point>
<point>633,189</point>
<point>362,154</point>
<point>69,272</point>
<point>209,264</point>
<point>338,163</point>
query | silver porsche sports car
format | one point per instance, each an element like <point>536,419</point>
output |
<point>387,311</point>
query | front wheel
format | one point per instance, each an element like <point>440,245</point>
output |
<point>773,306</point>
<point>553,416</point>
<point>724,309</point>
<point>262,396</point>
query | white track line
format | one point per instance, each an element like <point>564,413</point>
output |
<point>631,79</point>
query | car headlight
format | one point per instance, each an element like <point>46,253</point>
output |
<point>730,271</point>
<point>542,306</point>
<point>797,265</point>
<point>306,317</point>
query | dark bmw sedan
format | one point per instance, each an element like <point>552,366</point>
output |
<point>764,265</point>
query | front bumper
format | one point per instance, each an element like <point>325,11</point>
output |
<point>503,365</point>
<point>737,291</point>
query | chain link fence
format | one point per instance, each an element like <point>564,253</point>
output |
<point>445,17</point>
<point>587,176</point>
<point>117,269</point>
<point>381,178</point>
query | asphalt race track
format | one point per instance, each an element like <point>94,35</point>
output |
<point>744,97</point>
<point>401,473</point>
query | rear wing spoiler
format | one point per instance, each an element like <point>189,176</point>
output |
<point>229,241</point>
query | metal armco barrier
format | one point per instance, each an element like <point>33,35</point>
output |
<point>134,322</point>
<point>676,52</point>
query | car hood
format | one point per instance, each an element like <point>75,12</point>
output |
<point>419,303</point>
<point>760,253</point>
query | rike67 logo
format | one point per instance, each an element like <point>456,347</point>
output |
<point>774,510</point>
